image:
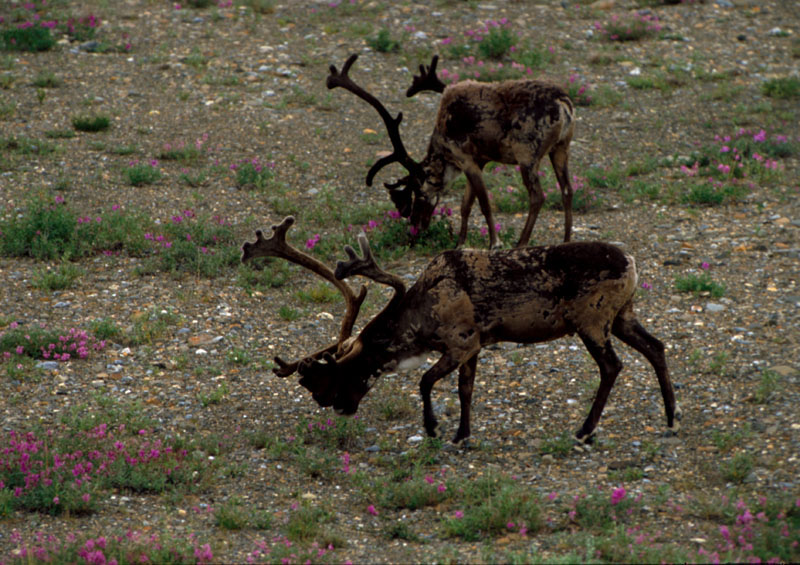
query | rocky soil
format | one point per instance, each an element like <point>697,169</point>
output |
<point>253,84</point>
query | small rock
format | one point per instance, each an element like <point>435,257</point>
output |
<point>47,365</point>
<point>373,449</point>
<point>784,370</point>
<point>61,305</point>
<point>201,352</point>
<point>714,307</point>
<point>415,439</point>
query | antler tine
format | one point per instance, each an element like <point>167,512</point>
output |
<point>276,246</point>
<point>399,155</point>
<point>367,267</point>
<point>427,79</point>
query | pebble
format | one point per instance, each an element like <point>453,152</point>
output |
<point>415,439</point>
<point>714,307</point>
<point>61,305</point>
<point>47,365</point>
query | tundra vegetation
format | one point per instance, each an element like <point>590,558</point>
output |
<point>142,142</point>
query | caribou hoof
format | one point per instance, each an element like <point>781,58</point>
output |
<point>676,423</point>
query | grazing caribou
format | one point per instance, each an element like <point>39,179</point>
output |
<point>516,122</point>
<point>466,299</point>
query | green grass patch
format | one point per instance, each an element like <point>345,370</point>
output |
<point>34,38</point>
<point>699,283</point>
<point>60,278</point>
<point>138,174</point>
<point>383,42</point>
<point>493,506</point>
<point>46,79</point>
<point>91,123</point>
<point>782,88</point>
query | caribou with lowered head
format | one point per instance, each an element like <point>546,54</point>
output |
<point>516,122</point>
<point>466,299</point>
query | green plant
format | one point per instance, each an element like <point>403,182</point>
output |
<point>60,133</point>
<point>26,146</point>
<point>699,283</point>
<point>46,79</point>
<point>496,43</point>
<point>606,177</point>
<point>630,28</point>
<point>338,432</point>
<point>260,6</point>
<point>493,506</point>
<point>305,522</point>
<point>738,468</point>
<point>725,440</point>
<point>383,42</point>
<point>599,511</point>
<point>768,384</point>
<point>260,275</point>
<point>321,293</point>
<point>559,445</point>
<point>230,515</point>
<point>713,194</point>
<point>288,313</point>
<point>58,279</point>
<point>91,123</point>
<point>782,87</point>
<point>214,397</point>
<point>186,154</point>
<point>400,530</point>
<point>239,356</point>
<point>138,174</point>
<point>34,38</point>
<point>105,328</point>
<point>151,325</point>
<point>252,175</point>
<point>7,81</point>
<point>416,491</point>
<point>7,109</point>
<point>718,364</point>
<point>641,189</point>
<point>45,231</point>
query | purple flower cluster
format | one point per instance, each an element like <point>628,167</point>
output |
<point>738,538</point>
<point>74,344</point>
<point>132,547</point>
<point>283,551</point>
<point>33,468</point>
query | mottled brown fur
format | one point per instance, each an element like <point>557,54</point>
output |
<point>516,122</point>
<point>467,299</point>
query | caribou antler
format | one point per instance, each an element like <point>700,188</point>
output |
<point>399,155</point>
<point>276,246</point>
<point>367,267</point>
<point>427,79</point>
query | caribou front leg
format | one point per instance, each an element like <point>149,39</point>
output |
<point>443,367</point>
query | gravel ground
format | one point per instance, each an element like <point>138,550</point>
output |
<point>254,83</point>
